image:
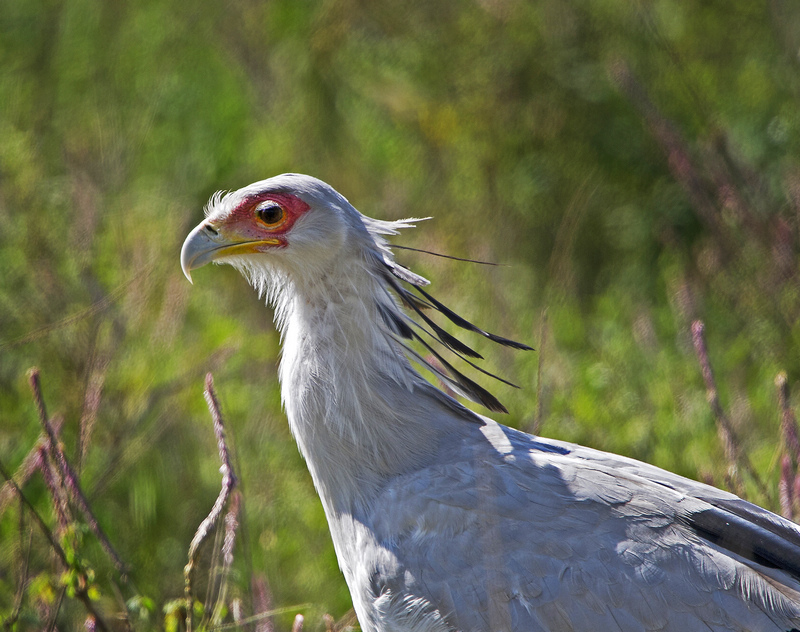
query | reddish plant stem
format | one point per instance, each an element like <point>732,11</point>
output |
<point>262,603</point>
<point>786,488</point>
<point>53,483</point>
<point>733,452</point>
<point>65,476</point>
<point>788,419</point>
<point>81,595</point>
<point>30,464</point>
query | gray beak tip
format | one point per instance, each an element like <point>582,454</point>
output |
<point>197,250</point>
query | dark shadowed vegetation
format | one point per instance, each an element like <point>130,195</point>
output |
<point>636,164</point>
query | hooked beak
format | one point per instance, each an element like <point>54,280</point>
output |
<point>206,243</point>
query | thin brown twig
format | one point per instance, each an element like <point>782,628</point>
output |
<point>796,494</point>
<point>65,476</point>
<point>228,483</point>
<point>231,523</point>
<point>8,624</point>
<point>262,602</point>
<point>786,487</point>
<point>51,625</point>
<point>81,594</point>
<point>30,464</point>
<point>95,308</point>
<point>79,498</point>
<point>38,399</point>
<point>733,453</point>
<point>124,614</point>
<point>724,429</point>
<point>54,466</point>
<point>47,464</point>
<point>215,582</point>
<point>560,272</point>
<point>37,518</point>
<point>53,483</point>
<point>212,586</point>
<point>91,404</point>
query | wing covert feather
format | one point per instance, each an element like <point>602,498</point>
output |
<point>569,539</point>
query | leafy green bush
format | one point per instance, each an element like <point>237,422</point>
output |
<point>635,164</point>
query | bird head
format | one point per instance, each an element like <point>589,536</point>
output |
<point>291,223</point>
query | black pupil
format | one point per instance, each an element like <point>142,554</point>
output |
<point>270,214</point>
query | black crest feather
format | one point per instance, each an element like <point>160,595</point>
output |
<point>456,380</point>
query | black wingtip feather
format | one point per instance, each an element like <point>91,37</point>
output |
<point>753,541</point>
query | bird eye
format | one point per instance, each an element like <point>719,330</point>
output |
<point>270,212</point>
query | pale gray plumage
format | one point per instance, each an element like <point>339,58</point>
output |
<point>445,520</point>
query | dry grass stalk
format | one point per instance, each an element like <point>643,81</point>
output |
<point>62,480</point>
<point>789,486</point>
<point>55,485</point>
<point>91,404</point>
<point>12,618</point>
<point>228,483</point>
<point>262,603</point>
<point>733,453</point>
<point>231,523</point>
<point>788,419</point>
<point>726,435</point>
<point>786,488</point>
<point>51,472</point>
<point>79,498</point>
<point>796,495</point>
<point>81,594</point>
<point>30,464</point>
<point>63,483</point>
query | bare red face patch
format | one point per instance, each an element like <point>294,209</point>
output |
<point>266,216</point>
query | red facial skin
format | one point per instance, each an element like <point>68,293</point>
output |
<point>245,224</point>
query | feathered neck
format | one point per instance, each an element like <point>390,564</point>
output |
<point>346,384</point>
<point>354,403</point>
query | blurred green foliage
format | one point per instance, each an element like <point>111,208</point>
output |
<point>636,162</point>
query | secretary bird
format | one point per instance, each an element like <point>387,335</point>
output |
<point>443,519</point>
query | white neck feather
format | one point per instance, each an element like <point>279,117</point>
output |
<point>345,384</point>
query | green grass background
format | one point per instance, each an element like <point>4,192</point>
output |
<point>634,162</point>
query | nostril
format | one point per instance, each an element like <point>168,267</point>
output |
<point>211,229</point>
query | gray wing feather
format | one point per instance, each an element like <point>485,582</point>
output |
<point>543,535</point>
